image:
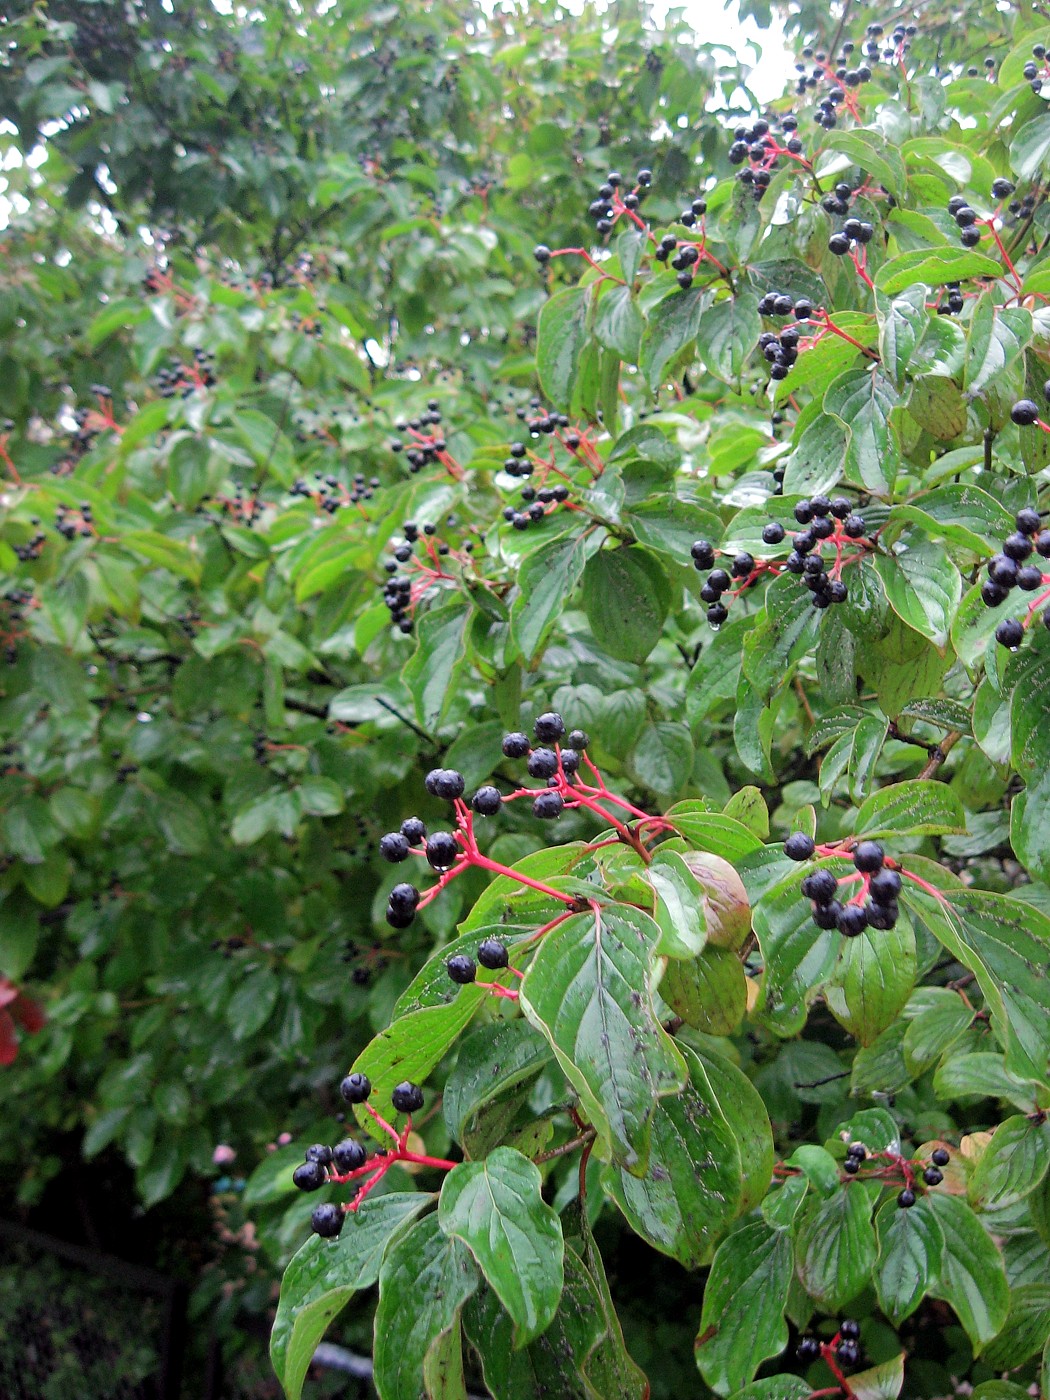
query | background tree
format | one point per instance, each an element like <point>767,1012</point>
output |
<point>318,481</point>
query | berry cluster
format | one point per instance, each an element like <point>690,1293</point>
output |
<point>177,379</point>
<point>34,546</point>
<point>329,494</point>
<point>535,505</point>
<point>874,905</point>
<point>556,761</point>
<point>761,148</point>
<point>1008,570</point>
<point>857,1155</point>
<point>853,233</point>
<point>426,446</point>
<point>402,592</point>
<point>1036,70</point>
<point>844,1346</point>
<point>953,303</point>
<point>349,1160</point>
<point>608,204</point>
<point>833,522</point>
<point>780,348</point>
<point>71,522</point>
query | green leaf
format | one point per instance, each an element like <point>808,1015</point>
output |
<point>679,908</point>
<point>727,334</point>
<point>742,1106</point>
<point>796,955</point>
<point>1006,945</point>
<point>784,635</point>
<point>742,1322</point>
<point>324,1275</point>
<point>998,336</point>
<point>432,671</point>
<point>1030,147</point>
<point>619,324</point>
<point>883,1382</point>
<point>1026,1330</point>
<point>835,1247</point>
<point>588,989</point>
<point>691,1188</point>
<point>496,1209</point>
<point>672,325</point>
<point>910,1244</point>
<point>862,400</point>
<point>774,1388</point>
<point>425,1279</point>
<point>411,1046</point>
<point>709,992</point>
<point>1012,1165</point>
<point>873,980</point>
<point>972,1279</point>
<point>561,333</point>
<point>546,580</point>
<point>918,807</point>
<point>923,586</point>
<point>873,153</point>
<point>939,1017</point>
<point>491,1060</point>
<point>934,267</point>
<point>626,596</point>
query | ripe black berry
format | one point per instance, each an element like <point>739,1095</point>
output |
<point>543,763</point>
<point>403,898</point>
<point>808,1349</point>
<point>1024,412</point>
<point>326,1221</point>
<point>309,1176</point>
<point>394,847</point>
<point>868,857</point>
<point>940,1157</point>
<point>838,244</point>
<point>515,745</point>
<point>1009,633</point>
<point>820,886</point>
<point>826,916</point>
<point>906,1198</point>
<point>348,1155</point>
<point>549,727</point>
<point>413,830</point>
<point>849,1329</point>
<point>799,846</point>
<point>444,782</point>
<point>548,805</point>
<point>355,1088</point>
<point>852,920</point>
<point>442,850</point>
<point>541,253</point>
<point>487,801</point>
<point>407,1097</point>
<point>884,886</point>
<point>319,1153</point>
<point>932,1176</point>
<point>492,954</point>
<point>578,739</point>
<point>461,969</point>
<point>773,533</point>
<point>703,552</point>
<point>848,1353</point>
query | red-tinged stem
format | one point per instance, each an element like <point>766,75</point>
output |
<point>990,225</point>
<point>583,253</point>
<point>831,326</point>
<point>930,889</point>
<point>441,1163</point>
<point>862,270</point>
<point>476,858</point>
<point>382,1122</point>
<point>365,1187</point>
<point>827,1352</point>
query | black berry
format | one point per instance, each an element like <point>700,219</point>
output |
<point>799,846</point>
<point>549,728</point>
<point>492,954</point>
<point>407,1097</point>
<point>487,801</point>
<point>309,1176</point>
<point>355,1088</point>
<point>515,745</point>
<point>394,847</point>
<point>461,969</point>
<point>348,1155</point>
<point>326,1221</point>
<point>442,850</point>
<point>868,857</point>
